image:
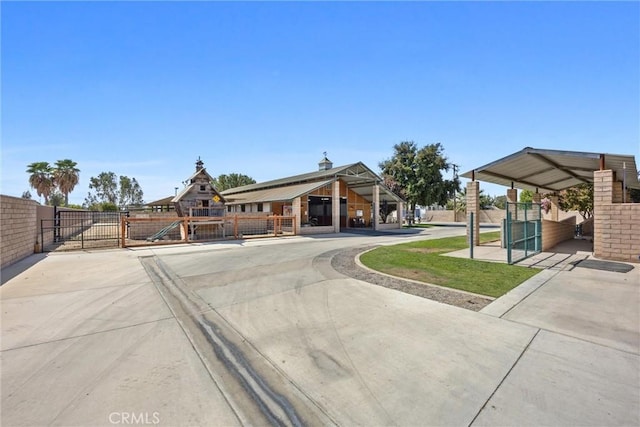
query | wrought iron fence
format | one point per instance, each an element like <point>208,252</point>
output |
<point>70,230</point>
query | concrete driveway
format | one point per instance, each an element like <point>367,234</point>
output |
<point>266,332</point>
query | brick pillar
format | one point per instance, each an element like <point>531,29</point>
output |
<point>602,200</point>
<point>512,197</point>
<point>473,205</point>
<point>335,206</point>
<point>376,206</point>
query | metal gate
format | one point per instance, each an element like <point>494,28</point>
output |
<point>523,230</point>
<point>75,229</point>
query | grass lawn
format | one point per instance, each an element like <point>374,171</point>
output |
<point>418,226</point>
<point>422,261</point>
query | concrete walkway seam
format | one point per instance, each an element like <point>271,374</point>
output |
<point>505,377</point>
<point>503,305</point>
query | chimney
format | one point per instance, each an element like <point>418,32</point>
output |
<point>325,164</point>
<point>199,164</point>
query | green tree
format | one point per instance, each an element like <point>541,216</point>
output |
<point>41,179</point>
<point>104,188</point>
<point>56,198</point>
<point>418,174</point>
<point>108,192</point>
<point>486,201</point>
<point>66,176</point>
<point>103,207</point>
<point>526,196</point>
<point>129,193</point>
<point>233,180</point>
<point>500,202</point>
<point>578,198</point>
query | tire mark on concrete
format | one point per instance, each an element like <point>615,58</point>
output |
<point>276,408</point>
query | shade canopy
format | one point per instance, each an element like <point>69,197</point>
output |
<point>554,170</point>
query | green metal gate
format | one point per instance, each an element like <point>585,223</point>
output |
<point>523,230</point>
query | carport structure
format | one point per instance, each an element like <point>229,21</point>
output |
<point>616,221</point>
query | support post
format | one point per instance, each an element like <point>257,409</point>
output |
<point>376,205</point>
<point>471,242</point>
<point>335,206</point>
<point>473,206</point>
<point>297,213</point>
<point>509,235</point>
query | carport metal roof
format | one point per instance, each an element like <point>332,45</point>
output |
<point>553,170</point>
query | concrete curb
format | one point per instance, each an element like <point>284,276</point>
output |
<point>505,303</point>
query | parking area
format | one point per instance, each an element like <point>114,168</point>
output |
<point>264,332</point>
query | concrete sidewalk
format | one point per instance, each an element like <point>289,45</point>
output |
<point>95,338</point>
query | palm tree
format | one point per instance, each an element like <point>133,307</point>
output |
<point>66,177</point>
<point>41,179</point>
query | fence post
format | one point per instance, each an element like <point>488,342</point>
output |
<point>185,229</point>
<point>275,226</point>
<point>294,226</point>
<point>122,232</point>
<point>235,226</point>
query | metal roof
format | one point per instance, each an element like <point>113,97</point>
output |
<point>358,177</point>
<point>277,194</point>
<point>296,179</point>
<point>161,202</point>
<point>553,170</point>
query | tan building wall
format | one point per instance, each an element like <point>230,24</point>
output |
<point>18,228</point>
<point>616,225</point>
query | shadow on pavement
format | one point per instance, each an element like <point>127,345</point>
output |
<point>11,271</point>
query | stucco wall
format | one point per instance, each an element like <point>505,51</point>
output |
<point>18,228</point>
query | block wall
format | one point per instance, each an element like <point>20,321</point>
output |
<point>554,232</point>
<point>616,233</point>
<point>493,216</point>
<point>18,228</point>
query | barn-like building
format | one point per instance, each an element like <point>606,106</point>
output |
<point>329,199</point>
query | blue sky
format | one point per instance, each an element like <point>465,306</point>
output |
<point>144,88</point>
